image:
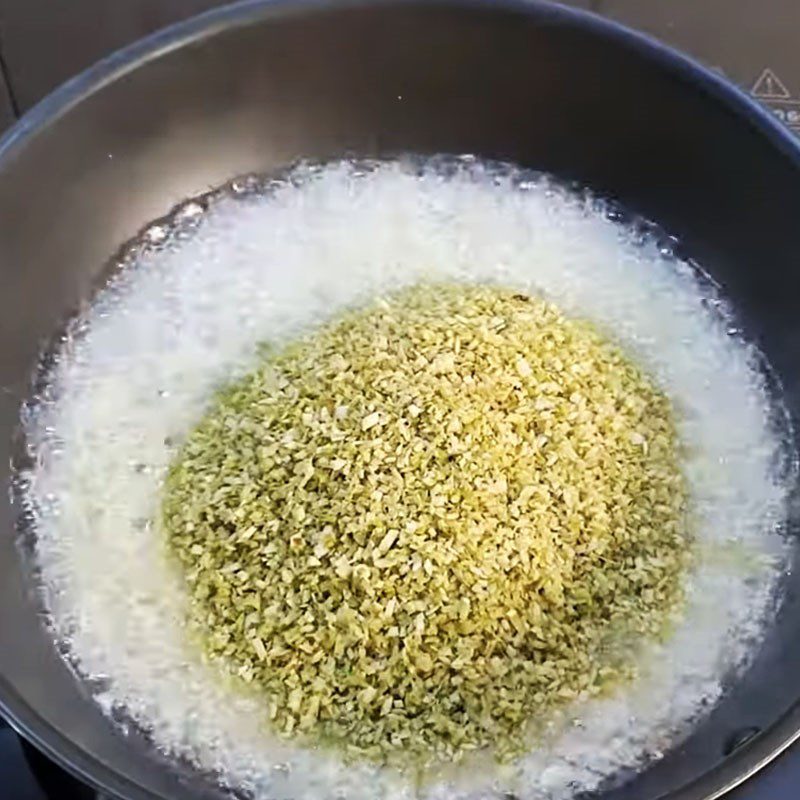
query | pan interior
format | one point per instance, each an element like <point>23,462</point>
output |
<point>227,273</point>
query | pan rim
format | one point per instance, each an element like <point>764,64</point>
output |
<point>23,718</point>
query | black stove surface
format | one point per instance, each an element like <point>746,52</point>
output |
<point>26,774</point>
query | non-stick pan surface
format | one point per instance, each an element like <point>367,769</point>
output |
<point>258,85</point>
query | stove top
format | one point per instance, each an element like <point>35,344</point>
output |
<point>26,774</point>
<point>753,42</point>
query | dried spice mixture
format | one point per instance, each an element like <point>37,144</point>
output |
<point>421,528</point>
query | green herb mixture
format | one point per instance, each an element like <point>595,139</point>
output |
<point>421,528</point>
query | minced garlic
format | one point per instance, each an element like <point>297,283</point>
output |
<point>424,526</point>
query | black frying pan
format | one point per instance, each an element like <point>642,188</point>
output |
<point>258,85</point>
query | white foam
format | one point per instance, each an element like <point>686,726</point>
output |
<point>187,318</point>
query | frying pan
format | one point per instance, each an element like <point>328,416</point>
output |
<point>256,86</point>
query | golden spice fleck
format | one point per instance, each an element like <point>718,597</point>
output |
<point>423,527</point>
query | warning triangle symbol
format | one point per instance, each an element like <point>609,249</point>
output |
<point>770,87</point>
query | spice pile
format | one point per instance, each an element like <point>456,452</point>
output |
<point>430,522</point>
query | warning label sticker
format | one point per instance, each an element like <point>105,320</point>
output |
<point>773,93</point>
